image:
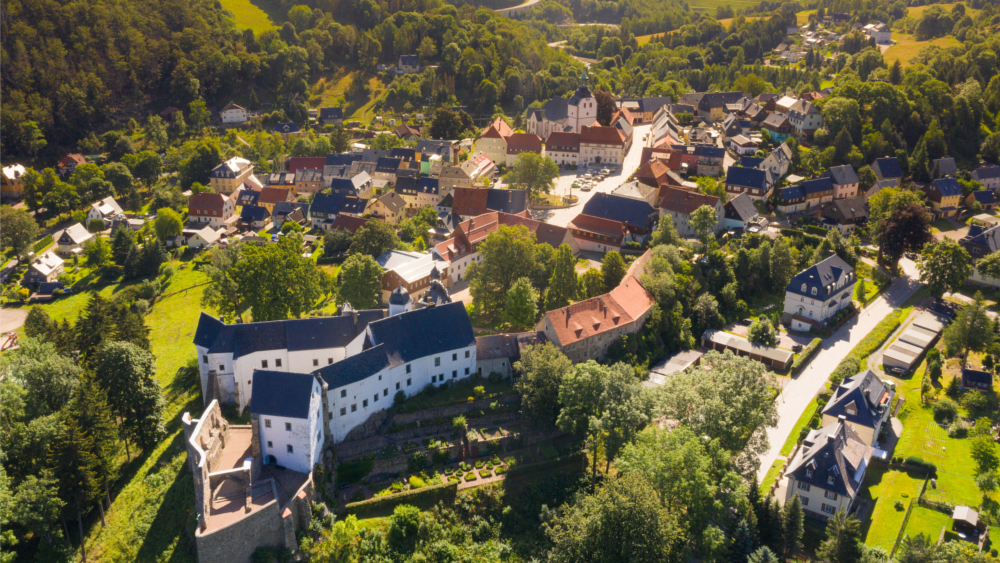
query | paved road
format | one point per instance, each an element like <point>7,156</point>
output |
<point>800,391</point>
<point>561,217</point>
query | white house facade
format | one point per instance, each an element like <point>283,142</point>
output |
<point>288,412</point>
<point>817,293</point>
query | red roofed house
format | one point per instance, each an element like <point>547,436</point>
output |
<point>680,204</point>
<point>493,141</point>
<point>463,248</point>
<point>585,329</point>
<point>563,148</point>
<point>348,223</point>
<point>597,234</point>
<point>522,142</point>
<point>602,145</point>
<point>297,163</point>
<point>269,196</point>
<point>69,163</point>
<point>658,173</point>
<point>218,210</point>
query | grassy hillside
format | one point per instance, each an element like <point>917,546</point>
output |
<point>328,89</point>
<point>249,15</point>
<point>906,47</point>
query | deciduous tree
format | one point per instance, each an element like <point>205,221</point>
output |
<point>563,285</point>
<point>533,173</point>
<point>613,269</point>
<point>944,266</point>
<point>521,305</point>
<point>168,223</point>
<point>19,231</point>
<point>374,238</point>
<point>542,368</point>
<point>361,282</point>
<point>126,374</point>
<point>507,255</point>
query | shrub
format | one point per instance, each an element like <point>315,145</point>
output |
<point>432,494</point>
<point>470,476</point>
<point>167,271</point>
<point>358,496</point>
<point>417,482</point>
<point>40,245</point>
<point>397,486</point>
<point>479,464</point>
<point>399,398</point>
<point>975,401</point>
<point>805,354</point>
<point>945,410</point>
<point>454,479</point>
<point>803,433</point>
<point>898,505</point>
<point>440,457</point>
<point>500,470</point>
<point>913,460</point>
<point>957,429</point>
<point>463,467</point>
<point>485,474</point>
<point>478,391</point>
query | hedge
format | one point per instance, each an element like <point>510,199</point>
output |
<point>435,493</point>
<point>811,240</point>
<point>813,229</point>
<point>851,364</point>
<point>805,354</point>
<point>353,471</point>
<point>40,245</point>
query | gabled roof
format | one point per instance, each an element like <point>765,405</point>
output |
<point>474,202</point>
<point>273,195</point>
<point>409,60</point>
<point>279,179</point>
<point>746,177</point>
<point>946,166</point>
<point>249,214</point>
<point>308,175</point>
<point>844,210</point>
<point>602,135</point>
<point>684,202</point>
<point>977,377</point>
<point>888,168</point>
<point>331,113</point>
<point>832,458</point>
<point>559,140</point>
<point>816,185</point>
<point>393,202</point>
<point>984,197</point>
<point>286,128</point>
<point>598,226</point>
<point>74,234</point>
<point>750,161</point>
<point>347,223</point>
<point>404,131</point>
<point>948,187</point>
<point>231,105</point>
<point>822,276</point>
<point>498,129</point>
<point>862,399</point>
<point>287,207</point>
<point>297,163</point>
<point>524,142</point>
<point>775,121</point>
<point>387,165</point>
<point>989,238</point>
<point>210,200</point>
<point>986,172</point>
<point>740,208</point>
<point>342,159</point>
<point>107,207</point>
<point>424,332</point>
<point>284,394</point>
<point>243,197</point>
<point>230,168</point>
<point>47,263</point>
<point>635,213</point>
<point>842,174</point>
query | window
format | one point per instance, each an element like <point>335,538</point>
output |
<point>263,364</point>
<point>385,392</point>
<point>407,382</point>
<point>329,361</point>
<point>267,423</point>
<point>204,359</point>
<point>277,363</point>
<point>830,495</point>
<point>222,368</point>
<point>466,353</point>
<point>805,501</point>
<point>343,393</point>
<point>291,450</point>
<point>804,486</point>
<point>380,378</point>
<point>376,397</point>
<point>454,357</point>
<point>269,444</point>
<point>288,427</point>
<point>434,379</point>
<point>364,403</point>
<point>315,361</point>
<point>454,374</point>
<point>829,508</point>
<point>466,371</point>
<point>409,368</point>
<point>354,407</point>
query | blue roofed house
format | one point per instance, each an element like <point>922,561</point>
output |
<point>828,470</point>
<point>753,182</point>
<point>408,64</point>
<point>888,169</point>
<point>988,176</point>
<point>638,216</point>
<point>750,161</point>
<point>806,195</point>
<point>287,130</point>
<point>945,196</point>
<point>863,400</point>
<point>817,293</point>
<point>980,242</point>
<point>253,218</point>
<point>286,412</point>
<point>987,199</point>
<point>331,116</point>
<point>326,207</point>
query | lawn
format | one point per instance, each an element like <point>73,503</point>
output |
<point>884,487</point>
<point>249,15</point>
<point>771,475</point>
<point>907,47</point>
<point>327,90</point>
<point>793,438</point>
<point>928,522</point>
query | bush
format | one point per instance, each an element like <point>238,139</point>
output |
<point>440,457</point>
<point>417,462</point>
<point>399,398</point>
<point>96,225</point>
<point>167,271</point>
<point>957,429</point>
<point>352,471</point>
<point>425,495</point>
<point>417,482</point>
<point>485,474</point>
<point>470,476</point>
<point>805,354</point>
<point>975,401</point>
<point>478,391</point>
<point>40,245</point>
<point>898,505</point>
<point>945,410</point>
<point>479,464</point>
<point>500,470</point>
<point>912,460</point>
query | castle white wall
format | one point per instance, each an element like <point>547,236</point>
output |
<point>305,436</point>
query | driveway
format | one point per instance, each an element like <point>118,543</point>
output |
<point>800,390</point>
<point>561,217</point>
<point>12,319</point>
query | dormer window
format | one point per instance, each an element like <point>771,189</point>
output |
<point>830,479</point>
<point>803,287</point>
<point>814,292</point>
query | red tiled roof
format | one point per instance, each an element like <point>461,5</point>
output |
<point>206,201</point>
<point>470,233</point>
<point>684,202</point>
<point>469,201</point>
<point>498,129</point>
<point>563,141</point>
<point>348,223</point>
<point>602,135</point>
<point>73,158</point>
<point>524,142</point>
<point>598,226</point>
<point>297,163</point>
<point>273,195</point>
<point>623,112</point>
<point>672,158</point>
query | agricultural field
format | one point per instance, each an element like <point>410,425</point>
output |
<point>249,15</point>
<point>906,47</point>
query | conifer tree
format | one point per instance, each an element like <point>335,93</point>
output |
<point>75,468</point>
<point>742,543</point>
<point>794,526</point>
<point>90,410</point>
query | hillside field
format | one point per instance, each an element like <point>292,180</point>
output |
<point>249,15</point>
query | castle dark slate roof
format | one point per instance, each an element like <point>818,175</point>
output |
<point>424,332</point>
<point>399,296</point>
<point>315,333</point>
<point>823,276</point>
<point>635,213</point>
<point>355,368</point>
<point>278,393</point>
<point>861,399</point>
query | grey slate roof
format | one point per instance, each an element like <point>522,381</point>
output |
<point>746,177</point>
<point>254,214</point>
<point>888,168</point>
<point>424,332</point>
<point>830,458</point>
<point>342,159</point>
<point>986,172</point>
<point>283,394</point>
<point>331,113</point>
<point>286,207</point>
<point>635,213</point>
<point>354,368</point>
<point>740,208</point>
<point>286,128</point>
<point>820,276</point>
<point>409,60</point>
<point>507,201</point>
<point>868,395</point>
<point>388,165</point>
<point>842,174</point>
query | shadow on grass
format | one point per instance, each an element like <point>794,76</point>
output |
<point>168,526</point>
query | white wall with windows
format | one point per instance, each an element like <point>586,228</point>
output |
<point>294,443</point>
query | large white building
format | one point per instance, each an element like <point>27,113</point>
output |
<point>362,357</point>
<point>288,412</point>
<point>233,113</point>
<point>817,293</point>
<point>563,115</point>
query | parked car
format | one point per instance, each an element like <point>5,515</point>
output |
<point>896,370</point>
<point>605,172</point>
<point>797,348</point>
<point>745,322</point>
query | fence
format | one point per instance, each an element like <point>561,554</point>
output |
<point>909,509</point>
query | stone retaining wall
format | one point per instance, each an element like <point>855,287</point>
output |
<point>451,410</point>
<point>409,434</point>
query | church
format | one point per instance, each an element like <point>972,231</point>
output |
<point>561,115</point>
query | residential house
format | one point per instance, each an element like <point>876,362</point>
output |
<point>644,109</point>
<point>880,31</point>
<point>442,148</point>
<point>710,160</point>
<point>597,234</point>
<point>987,199</point>
<point>297,212</point>
<point>751,161</point>
<point>753,182</point>
<point>230,175</point>
<point>272,195</point>
<point>944,195</point>
<point>335,163</point>
<point>638,190</point>
<point>295,163</point>
<point>808,194</point>
<point>863,402</point>
<point>563,148</point>
<point>408,64</point>
<point>462,249</point>
<point>247,197</point>
<point>563,115</point>
<point>326,207</point>
<point>347,223</point>
<point>845,181</point>
<point>105,210</point>
<point>466,174</point>
<point>739,213</point>
<point>386,168</point>
<point>710,106</point>
<point>497,353</point>
<point>408,273</point>
<point>889,169</point>
<point>67,165</point>
<point>419,193</point>
<point>657,172</point>
<point>818,293</point>
<point>778,127</point>
<point>309,181</point>
<point>828,470</point>
<point>168,114</point>
<point>518,143</point>
<point>200,238</point>
<point>287,409</point>
<point>390,208</point>
<point>743,146</point>
<point>361,183</point>
<point>10,182</point>
<point>944,167</point>
<point>45,268</point>
<point>283,180</point>
<point>977,380</point>
<point>233,113</point>
<point>778,162</point>
<point>407,132</point>
<point>217,210</point>
<point>252,219</point>
<point>804,117</point>
<point>845,214</point>
<point>473,202</point>
<point>493,141</point>
<point>586,329</point>
<point>331,116</point>
<point>603,145</point>
<point>733,126</point>
<point>287,131</point>
<point>878,186</point>
<point>988,176</point>
<point>680,204</point>
<point>638,216</point>
<point>72,239</point>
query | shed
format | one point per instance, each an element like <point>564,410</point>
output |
<point>767,355</point>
